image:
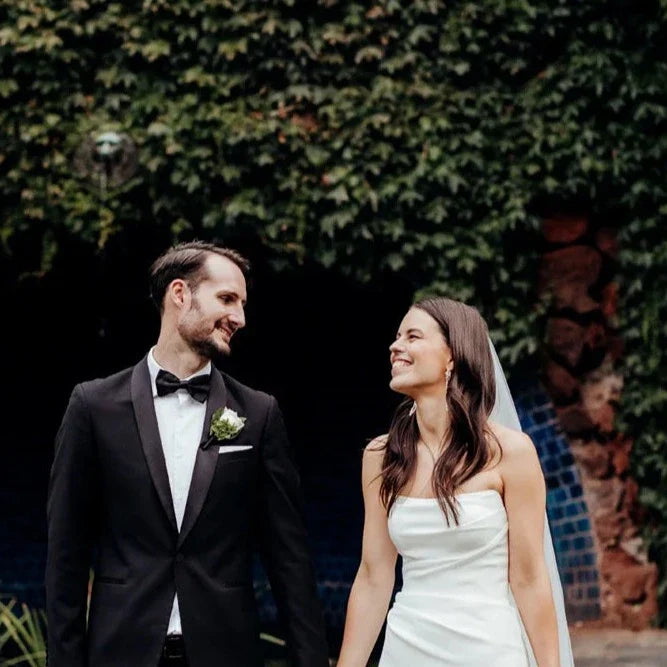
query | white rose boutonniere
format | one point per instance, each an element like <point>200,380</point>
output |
<point>225,425</point>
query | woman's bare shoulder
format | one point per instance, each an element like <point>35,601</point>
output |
<point>374,457</point>
<point>377,445</point>
<point>519,455</point>
<point>513,442</point>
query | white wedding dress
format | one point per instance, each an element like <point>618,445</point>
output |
<point>455,607</point>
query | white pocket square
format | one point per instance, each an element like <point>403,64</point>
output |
<point>232,448</point>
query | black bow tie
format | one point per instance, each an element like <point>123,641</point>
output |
<point>197,387</point>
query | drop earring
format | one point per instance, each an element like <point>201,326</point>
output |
<point>448,374</point>
<point>413,409</point>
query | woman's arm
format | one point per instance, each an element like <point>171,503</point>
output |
<point>525,498</point>
<point>374,583</point>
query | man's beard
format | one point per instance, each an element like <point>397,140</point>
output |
<point>207,348</point>
<point>202,343</point>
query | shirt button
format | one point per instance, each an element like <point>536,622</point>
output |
<point>180,557</point>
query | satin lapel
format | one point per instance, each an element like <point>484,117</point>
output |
<point>144,412</point>
<point>206,460</point>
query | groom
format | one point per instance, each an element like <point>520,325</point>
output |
<point>166,510</point>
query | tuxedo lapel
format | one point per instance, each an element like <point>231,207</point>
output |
<point>144,412</point>
<point>206,460</point>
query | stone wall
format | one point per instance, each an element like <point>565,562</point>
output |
<point>580,372</point>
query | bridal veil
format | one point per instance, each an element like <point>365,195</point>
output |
<point>504,412</point>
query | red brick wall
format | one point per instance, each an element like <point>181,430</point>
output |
<point>581,374</point>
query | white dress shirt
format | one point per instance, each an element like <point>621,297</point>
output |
<point>180,420</point>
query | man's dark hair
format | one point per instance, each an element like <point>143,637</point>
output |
<point>187,262</point>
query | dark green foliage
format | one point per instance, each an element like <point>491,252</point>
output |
<point>422,137</point>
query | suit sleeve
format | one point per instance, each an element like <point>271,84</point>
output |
<point>284,547</point>
<point>71,518</point>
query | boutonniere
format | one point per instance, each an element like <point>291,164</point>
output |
<point>225,425</point>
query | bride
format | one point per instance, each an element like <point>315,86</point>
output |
<point>459,493</point>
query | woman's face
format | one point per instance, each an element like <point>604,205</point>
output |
<point>420,357</point>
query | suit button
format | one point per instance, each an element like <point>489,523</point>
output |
<point>180,558</point>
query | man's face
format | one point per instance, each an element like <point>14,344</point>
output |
<point>213,312</point>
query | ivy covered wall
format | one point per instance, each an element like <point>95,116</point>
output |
<point>427,138</point>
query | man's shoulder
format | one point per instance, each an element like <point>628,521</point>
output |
<point>109,385</point>
<point>243,392</point>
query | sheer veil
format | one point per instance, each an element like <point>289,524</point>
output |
<point>505,413</point>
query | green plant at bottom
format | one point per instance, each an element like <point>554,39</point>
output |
<point>24,628</point>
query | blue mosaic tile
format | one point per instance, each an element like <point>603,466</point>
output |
<point>589,559</point>
<point>540,416</point>
<point>566,509</point>
<point>586,576</point>
<point>560,495</point>
<point>573,509</point>
<point>562,546</point>
<point>567,477</point>
<point>584,525</point>
<point>566,460</point>
<point>551,465</point>
<point>555,512</point>
<point>552,448</point>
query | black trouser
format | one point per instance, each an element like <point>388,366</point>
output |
<point>173,652</point>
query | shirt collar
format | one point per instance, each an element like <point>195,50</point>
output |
<point>154,368</point>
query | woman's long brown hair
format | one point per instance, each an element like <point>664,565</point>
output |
<point>471,394</point>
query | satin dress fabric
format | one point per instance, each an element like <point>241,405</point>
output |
<point>455,606</point>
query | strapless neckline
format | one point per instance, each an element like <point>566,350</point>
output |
<point>456,495</point>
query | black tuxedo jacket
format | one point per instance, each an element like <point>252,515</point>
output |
<point>110,508</point>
